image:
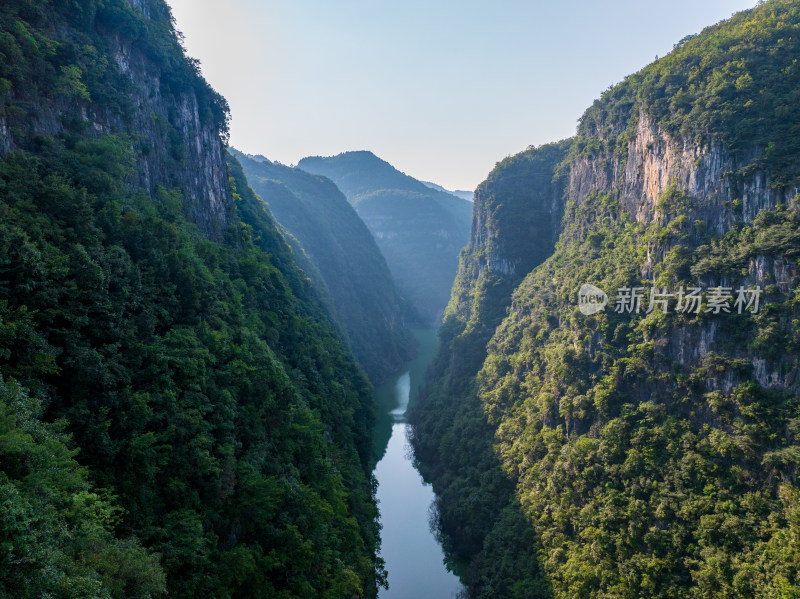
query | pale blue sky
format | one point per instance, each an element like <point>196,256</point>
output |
<point>442,89</point>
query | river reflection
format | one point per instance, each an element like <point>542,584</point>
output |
<point>413,557</point>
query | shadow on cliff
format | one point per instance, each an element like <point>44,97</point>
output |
<point>487,540</point>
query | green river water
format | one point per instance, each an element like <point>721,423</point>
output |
<point>413,557</point>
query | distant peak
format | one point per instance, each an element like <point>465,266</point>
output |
<point>254,157</point>
<point>361,155</point>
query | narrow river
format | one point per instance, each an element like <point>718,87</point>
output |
<point>413,557</point>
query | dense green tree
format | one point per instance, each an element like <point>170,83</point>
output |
<point>647,454</point>
<point>57,530</point>
<point>177,412</point>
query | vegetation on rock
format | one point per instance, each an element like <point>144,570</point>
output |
<point>177,415</point>
<point>649,454</point>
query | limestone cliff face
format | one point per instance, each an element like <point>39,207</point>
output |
<point>719,195</point>
<point>170,125</point>
<point>516,222</point>
<point>655,160</point>
<point>622,151</point>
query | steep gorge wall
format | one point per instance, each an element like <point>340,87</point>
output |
<point>178,415</point>
<point>516,221</point>
<point>635,443</point>
<point>419,230</point>
<point>126,83</point>
<point>719,193</point>
<point>346,267</point>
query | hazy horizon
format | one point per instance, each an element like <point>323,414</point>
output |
<point>440,91</point>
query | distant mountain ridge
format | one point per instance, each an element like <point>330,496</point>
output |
<point>340,256</point>
<point>459,193</point>
<point>420,230</point>
<point>359,172</point>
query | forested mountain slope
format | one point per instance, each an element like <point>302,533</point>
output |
<point>177,414</point>
<point>345,265</point>
<point>418,229</point>
<point>637,454</point>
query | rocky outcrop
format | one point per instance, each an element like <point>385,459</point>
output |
<point>171,128</point>
<point>707,173</point>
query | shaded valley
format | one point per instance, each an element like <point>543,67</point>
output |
<point>345,266</point>
<point>419,230</point>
